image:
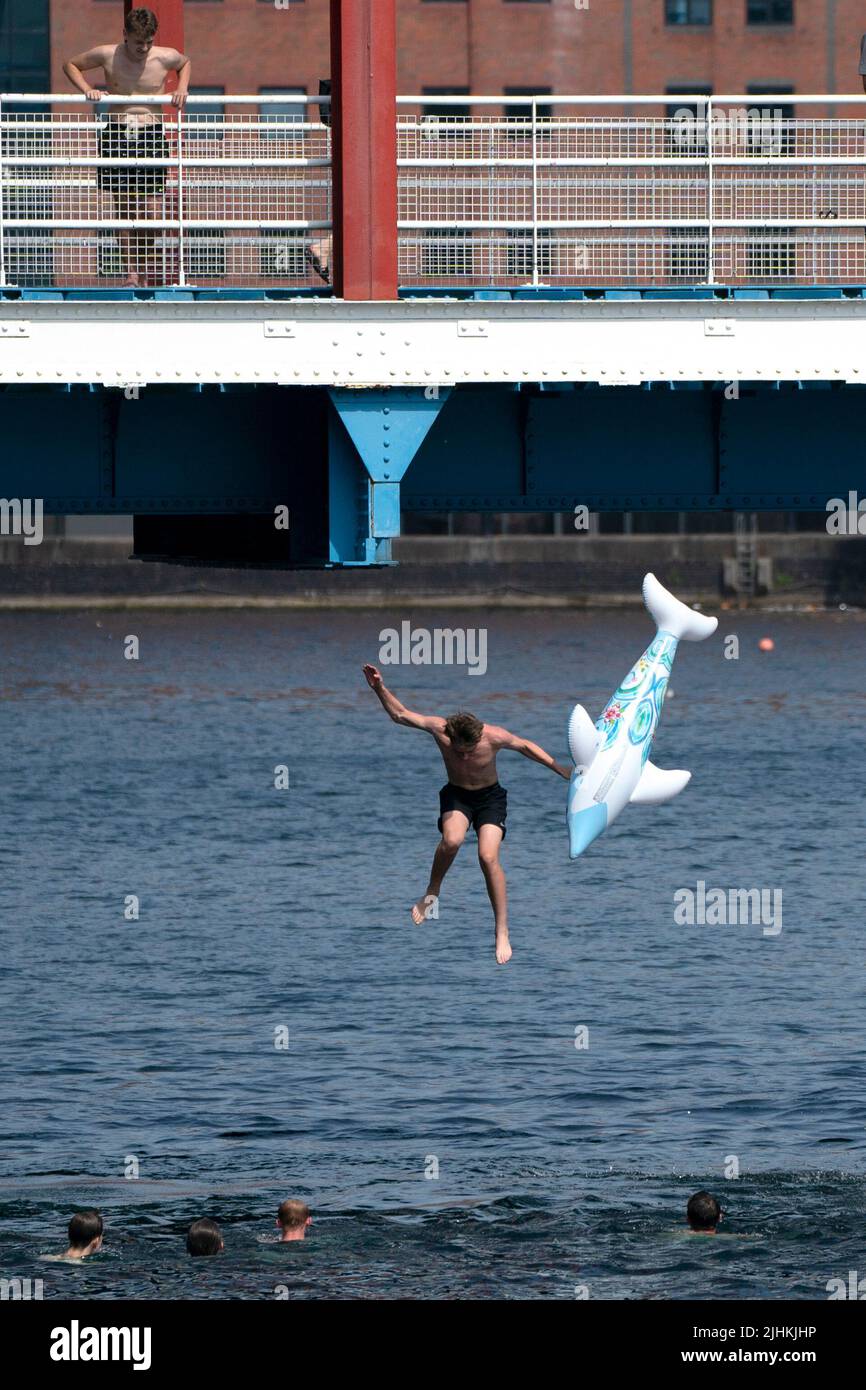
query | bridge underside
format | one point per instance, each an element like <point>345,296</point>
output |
<point>205,470</point>
<point>207,422</point>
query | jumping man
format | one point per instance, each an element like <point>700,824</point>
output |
<point>471,796</point>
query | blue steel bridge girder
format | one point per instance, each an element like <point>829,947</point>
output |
<point>666,447</point>
<point>373,436</point>
<point>203,468</point>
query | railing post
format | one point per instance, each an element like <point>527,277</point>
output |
<point>2,200</point>
<point>711,194</point>
<point>181,247</point>
<point>534,195</point>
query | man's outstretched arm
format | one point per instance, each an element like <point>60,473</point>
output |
<point>430,723</point>
<point>514,744</point>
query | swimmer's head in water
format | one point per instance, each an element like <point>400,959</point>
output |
<point>140,31</point>
<point>293,1215</point>
<point>463,729</point>
<point>85,1230</point>
<point>703,1212</point>
<point>204,1237</point>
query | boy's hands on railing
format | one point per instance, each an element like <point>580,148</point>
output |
<point>94,94</point>
<point>178,99</point>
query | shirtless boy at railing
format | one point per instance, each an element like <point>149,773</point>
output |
<point>133,131</point>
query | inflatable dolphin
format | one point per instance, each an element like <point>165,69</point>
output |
<point>611,757</point>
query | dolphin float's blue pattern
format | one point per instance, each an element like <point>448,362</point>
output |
<point>611,759</point>
<point>638,701</point>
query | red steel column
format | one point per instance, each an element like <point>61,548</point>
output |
<point>364,148</point>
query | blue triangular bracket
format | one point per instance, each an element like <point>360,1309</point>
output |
<point>388,426</point>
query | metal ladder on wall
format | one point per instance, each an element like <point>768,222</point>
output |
<point>746,552</point>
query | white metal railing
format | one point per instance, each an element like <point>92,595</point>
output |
<point>631,190</point>
<point>236,196</point>
<point>615,190</point>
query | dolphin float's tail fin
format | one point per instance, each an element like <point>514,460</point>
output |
<point>674,617</point>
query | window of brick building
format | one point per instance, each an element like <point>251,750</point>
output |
<point>445,115</point>
<point>769,11</point>
<point>281,116</point>
<point>688,11</point>
<point>543,109</point>
<point>770,131</point>
<point>204,120</point>
<point>24,46</point>
<point>686,132</point>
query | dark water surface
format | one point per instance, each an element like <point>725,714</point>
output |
<point>153,1041</point>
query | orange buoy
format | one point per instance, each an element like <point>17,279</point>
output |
<point>766,644</point>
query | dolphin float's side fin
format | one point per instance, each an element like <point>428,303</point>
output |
<point>674,617</point>
<point>583,737</point>
<point>656,786</point>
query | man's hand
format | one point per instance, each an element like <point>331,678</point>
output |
<point>94,94</point>
<point>563,771</point>
<point>374,677</point>
<point>178,99</point>
<point>396,710</point>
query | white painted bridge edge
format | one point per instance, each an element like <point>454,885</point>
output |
<point>332,343</point>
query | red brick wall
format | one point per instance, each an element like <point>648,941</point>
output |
<point>490,44</point>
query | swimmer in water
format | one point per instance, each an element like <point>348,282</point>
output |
<point>85,1236</point>
<point>204,1237</point>
<point>471,796</point>
<point>293,1218</point>
<point>703,1214</point>
<point>133,130</point>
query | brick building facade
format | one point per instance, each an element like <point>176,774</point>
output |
<point>491,46</point>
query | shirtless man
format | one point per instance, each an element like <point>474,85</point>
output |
<point>471,796</point>
<point>133,131</point>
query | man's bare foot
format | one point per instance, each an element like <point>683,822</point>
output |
<point>422,911</point>
<point>503,946</point>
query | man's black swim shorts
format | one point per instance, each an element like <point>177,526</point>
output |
<point>482,806</point>
<point>119,141</point>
